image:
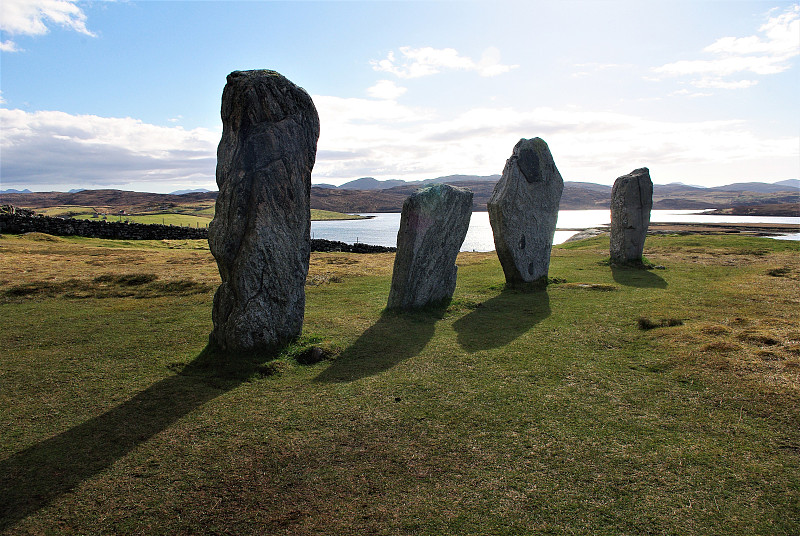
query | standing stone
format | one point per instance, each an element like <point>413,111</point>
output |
<point>433,225</point>
<point>523,211</point>
<point>260,232</point>
<point>631,201</point>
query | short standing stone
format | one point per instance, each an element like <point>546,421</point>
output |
<point>631,201</point>
<point>260,232</point>
<point>433,225</point>
<point>523,211</point>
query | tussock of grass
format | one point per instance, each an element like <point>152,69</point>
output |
<point>322,279</point>
<point>602,287</point>
<point>42,237</point>
<point>106,286</point>
<point>645,323</point>
<point>126,280</point>
<point>720,346</point>
<point>787,272</point>
<point>715,329</point>
<point>761,339</point>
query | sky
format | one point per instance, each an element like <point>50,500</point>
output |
<point>126,94</point>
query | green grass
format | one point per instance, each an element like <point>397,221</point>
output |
<point>199,218</point>
<point>322,215</point>
<point>505,413</point>
<point>66,210</point>
<point>180,220</point>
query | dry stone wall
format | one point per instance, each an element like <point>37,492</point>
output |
<point>20,224</point>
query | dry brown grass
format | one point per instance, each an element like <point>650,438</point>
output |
<point>57,265</point>
<point>763,351</point>
<point>758,340</point>
<point>38,265</point>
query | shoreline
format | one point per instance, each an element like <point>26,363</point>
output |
<point>660,228</point>
<point>759,229</point>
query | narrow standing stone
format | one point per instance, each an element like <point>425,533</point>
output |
<point>260,232</point>
<point>523,211</point>
<point>433,225</point>
<point>631,201</point>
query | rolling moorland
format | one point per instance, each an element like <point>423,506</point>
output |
<point>369,195</point>
<point>186,210</point>
<point>618,401</point>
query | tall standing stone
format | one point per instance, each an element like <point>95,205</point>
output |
<point>260,232</point>
<point>631,201</point>
<point>523,211</point>
<point>433,225</point>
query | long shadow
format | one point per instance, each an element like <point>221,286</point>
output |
<point>395,337</point>
<point>500,320</point>
<point>32,478</point>
<point>634,276</point>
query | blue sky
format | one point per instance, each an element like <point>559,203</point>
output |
<point>126,94</point>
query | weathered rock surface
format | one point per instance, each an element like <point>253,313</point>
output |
<point>523,211</point>
<point>631,201</point>
<point>433,225</point>
<point>260,232</point>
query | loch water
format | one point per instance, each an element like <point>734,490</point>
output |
<point>381,228</point>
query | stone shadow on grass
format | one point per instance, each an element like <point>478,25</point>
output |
<point>395,337</point>
<point>499,320</point>
<point>40,474</point>
<point>635,276</point>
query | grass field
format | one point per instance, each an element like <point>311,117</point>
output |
<point>618,401</point>
<point>190,215</point>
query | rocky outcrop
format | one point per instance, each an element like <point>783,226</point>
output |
<point>631,201</point>
<point>433,225</point>
<point>260,232</point>
<point>523,211</point>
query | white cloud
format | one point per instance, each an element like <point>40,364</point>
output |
<point>49,149</point>
<point>32,17</point>
<point>386,89</point>
<point>592,146</point>
<point>8,46</point>
<point>418,62</point>
<point>764,54</point>
<point>385,139</point>
<point>722,84</point>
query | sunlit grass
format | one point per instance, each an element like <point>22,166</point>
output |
<point>503,413</point>
<point>183,216</point>
<point>179,220</point>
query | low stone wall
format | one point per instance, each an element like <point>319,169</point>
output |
<point>20,224</point>
<point>17,224</point>
<point>319,244</point>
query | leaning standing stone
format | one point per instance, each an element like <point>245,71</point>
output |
<point>260,232</point>
<point>433,225</point>
<point>631,201</point>
<point>523,211</point>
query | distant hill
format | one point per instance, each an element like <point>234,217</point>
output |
<point>791,183</point>
<point>370,183</point>
<point>184,192</point>
<point>450,179</point>
<point>116,199</point>
<point>13,191</point>
<point>577,196</point>
<point>760,187</point>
